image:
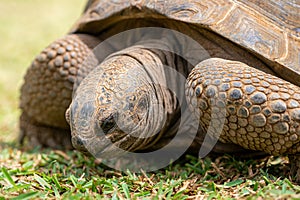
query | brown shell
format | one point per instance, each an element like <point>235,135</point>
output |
<point>270,28</point>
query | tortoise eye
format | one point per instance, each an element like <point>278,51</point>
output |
<point>108,124</point>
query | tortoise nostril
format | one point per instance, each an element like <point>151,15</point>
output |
<point>78,143</point>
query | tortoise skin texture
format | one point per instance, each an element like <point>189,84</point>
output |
<point>253,73</point>
<point>47,91</point>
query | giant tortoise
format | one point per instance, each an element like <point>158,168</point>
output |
<point>242,86</point>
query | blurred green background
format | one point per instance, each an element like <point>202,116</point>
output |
<point>26,27</point>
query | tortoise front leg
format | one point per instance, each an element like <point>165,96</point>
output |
<point>47,91</point>
<point>261,111</point>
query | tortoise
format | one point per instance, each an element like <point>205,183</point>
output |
<point>245,81</point>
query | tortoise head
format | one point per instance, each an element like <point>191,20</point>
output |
<point>115,109</point>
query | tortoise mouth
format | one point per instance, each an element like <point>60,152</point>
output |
<point>111,145</point>
<point>102,138</point>
<point>79,145</point>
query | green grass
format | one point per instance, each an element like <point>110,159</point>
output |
<point>26,28</point>
<point>70,175</point>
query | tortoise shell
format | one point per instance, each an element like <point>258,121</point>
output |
<point>269,29</point>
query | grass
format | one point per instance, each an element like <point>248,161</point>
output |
<point>70,175</point>
<point>26,28</point>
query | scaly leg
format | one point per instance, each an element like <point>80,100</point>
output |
<point>47,90</point>
<point>255,110</point>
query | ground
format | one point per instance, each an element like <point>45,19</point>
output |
<point>26,28</point>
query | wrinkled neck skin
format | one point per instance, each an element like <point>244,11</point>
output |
<point>125,104</point>
<point>145,105</point>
